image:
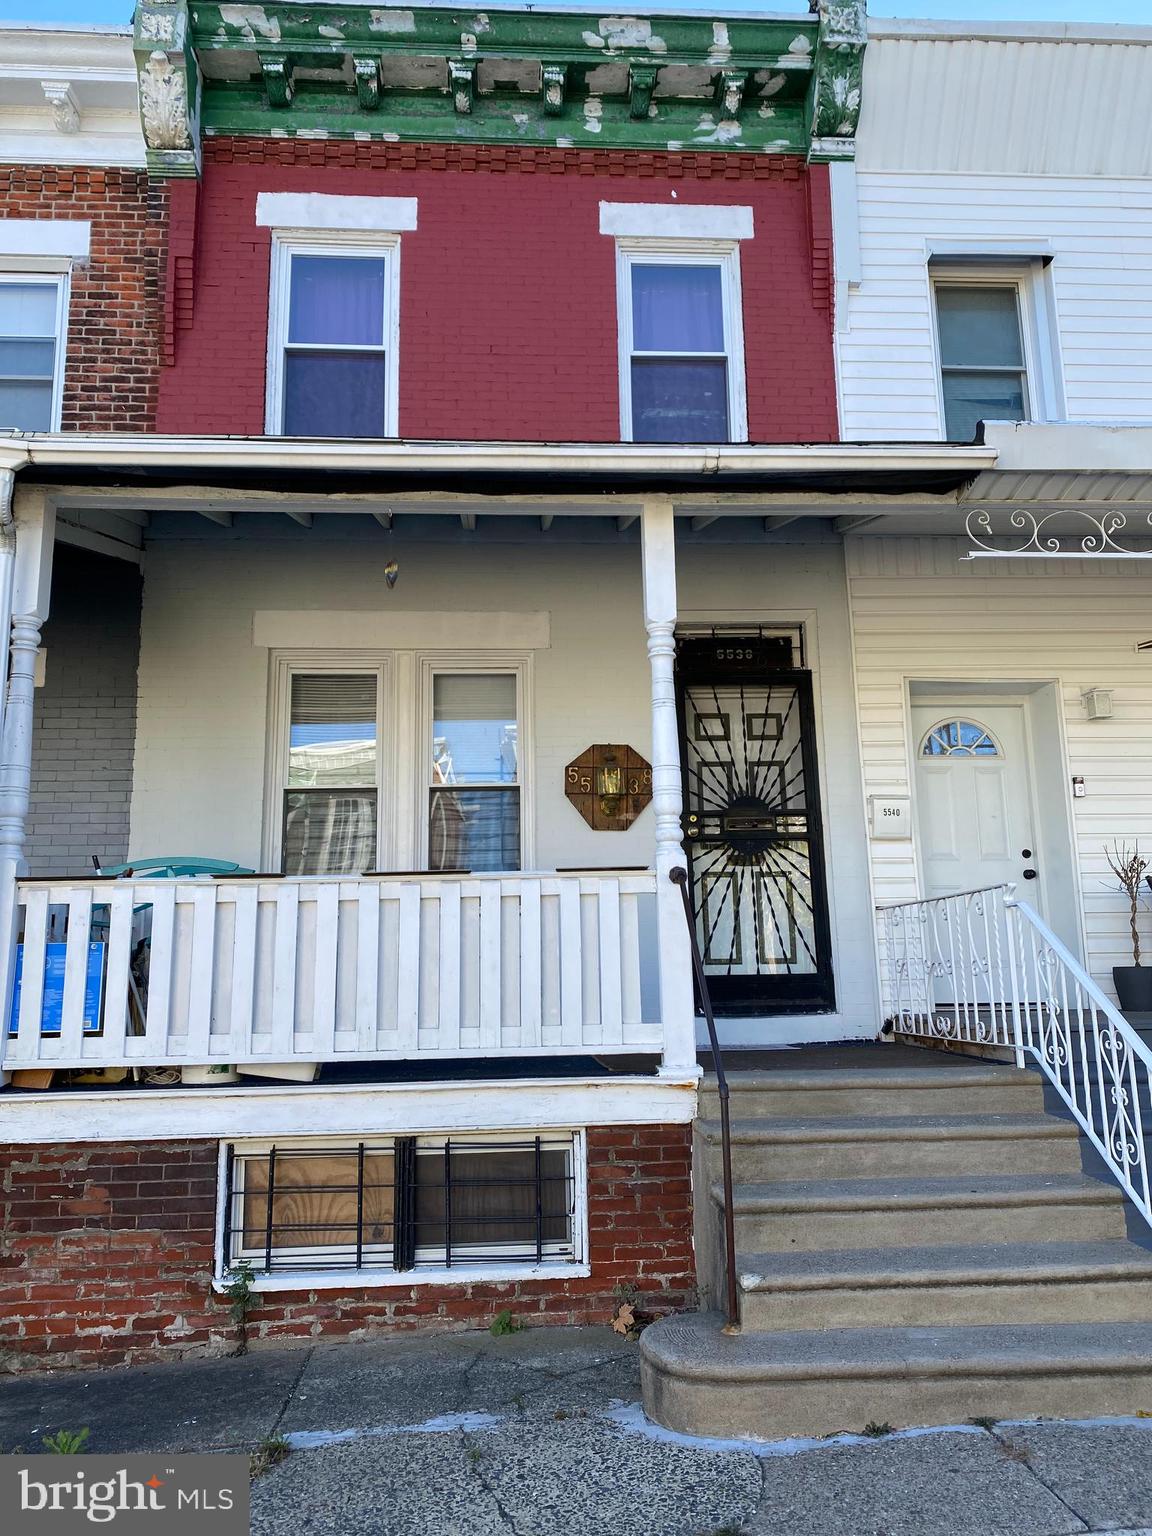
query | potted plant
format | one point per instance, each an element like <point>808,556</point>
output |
<point>1133,982</point>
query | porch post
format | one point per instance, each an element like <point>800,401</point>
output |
<point>35,527</point>
<point>677,1008</point>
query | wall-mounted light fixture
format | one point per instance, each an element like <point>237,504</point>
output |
<point>1097,703</point>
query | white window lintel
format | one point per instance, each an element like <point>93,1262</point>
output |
<point>676,221</point>
<point>323,210</point>
<point>46,240</point>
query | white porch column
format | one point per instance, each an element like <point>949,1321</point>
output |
<point>677,1008</point>
<point>35,527</point>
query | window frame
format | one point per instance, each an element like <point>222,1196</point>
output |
<point>486,1267</point>
<point>289,243</point>
<point>653,251</point>
<point>1034,311</point>
<point>404,723</point>
<point>429,665</point>
<point>61,279</point>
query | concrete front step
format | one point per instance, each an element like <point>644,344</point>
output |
<point>926,1090</point>
<point>839,1147</point>
<point>699,1381</point>
<point>872,1213</point>
<point>945,1284</point>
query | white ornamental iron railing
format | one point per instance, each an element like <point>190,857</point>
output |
<point>197,971</point>
<point>982,968</point>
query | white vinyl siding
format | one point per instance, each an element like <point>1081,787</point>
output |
<point>920,612</point>
<point>1098,234</point>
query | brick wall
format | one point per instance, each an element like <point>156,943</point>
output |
<point>106,1256</point>
<point>114,315</point>
<point>85,716</point>
<point>508,289</point>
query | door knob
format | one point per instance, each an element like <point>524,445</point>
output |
<point>1030,874</point>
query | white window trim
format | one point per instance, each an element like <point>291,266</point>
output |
<point>323,211</point>
<point>576,1267</point>
<point>1035,304</point>
<point>404,720</point>
<point>724,254</point>
<point>287,243</point>
<point>428,664</point>
<point>61,280</point>
<point>677,221</point>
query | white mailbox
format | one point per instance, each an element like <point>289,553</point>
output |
<point>890,817</point>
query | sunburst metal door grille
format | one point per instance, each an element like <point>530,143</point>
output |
<point>752,829</point>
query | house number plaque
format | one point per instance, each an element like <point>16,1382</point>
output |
<point>609,786</point>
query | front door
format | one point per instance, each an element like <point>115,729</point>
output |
<point>974,798</point>
<point>752,825</point>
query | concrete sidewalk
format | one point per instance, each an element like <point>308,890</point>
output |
<point>540,1434</point>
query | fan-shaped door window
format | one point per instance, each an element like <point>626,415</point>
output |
<point>959,738</point>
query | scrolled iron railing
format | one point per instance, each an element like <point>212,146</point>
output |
<point>981,968</point>
<point>679,877</point>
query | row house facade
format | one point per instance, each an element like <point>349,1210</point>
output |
<point>486,507</point>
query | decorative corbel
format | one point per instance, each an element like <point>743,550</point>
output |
<point>168,84</point>
<point>276,69</point>
<point>837,73</point>
<point>730,88</point>
<point>367,82</point>
<point>462,81</point>
<point>554,80</point>
<point>641,84</point>
<point>65,108</point>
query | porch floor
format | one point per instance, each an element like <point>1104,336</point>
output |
<point>866,1055</point>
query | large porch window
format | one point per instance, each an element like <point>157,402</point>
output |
<point>393,761</point>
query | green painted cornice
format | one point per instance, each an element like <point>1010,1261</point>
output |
<point>783,85</point>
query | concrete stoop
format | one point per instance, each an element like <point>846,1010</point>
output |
<point>920,1246</point>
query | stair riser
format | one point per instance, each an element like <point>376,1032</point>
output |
<point>779,1232</point>
<point>762,1162</point>
<point>1017,1096</point>
<point>944,1306</point>
<point>775,1409</point>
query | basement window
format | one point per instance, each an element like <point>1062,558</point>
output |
<point>333,338</point>
<point>398,1205</point>
<point>32,318</point>
<point>681,342</point>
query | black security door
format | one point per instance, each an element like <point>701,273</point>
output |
<point>752,824</point>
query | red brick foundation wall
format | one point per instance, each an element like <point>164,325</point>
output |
<point>114,311</point>
<point>106,1256</point>
<point>507,287</point>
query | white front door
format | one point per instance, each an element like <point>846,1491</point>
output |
<point>974,798</point>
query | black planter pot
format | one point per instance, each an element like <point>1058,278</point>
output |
<point>1133,985</point>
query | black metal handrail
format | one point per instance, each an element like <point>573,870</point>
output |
<point>679,876</point>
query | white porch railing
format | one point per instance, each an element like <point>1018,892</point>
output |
<point>982,968</point>
<point>195,971</point>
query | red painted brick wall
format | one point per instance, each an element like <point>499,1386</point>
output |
<point>508,290</point>
<point>106,1256</point>
<point>114,315</point>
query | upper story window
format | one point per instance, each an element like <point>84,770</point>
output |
<point>33,311</point>
<point>681,345</point>
<point>983,370</point>
<point>333,339</point>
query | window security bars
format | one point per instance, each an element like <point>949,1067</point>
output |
<point>404,1203</point>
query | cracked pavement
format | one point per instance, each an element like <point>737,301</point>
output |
<point>538,1434</point>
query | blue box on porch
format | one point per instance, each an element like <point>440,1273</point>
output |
<point>52,1005</point>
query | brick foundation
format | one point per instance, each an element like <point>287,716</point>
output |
<point>106,1256</point>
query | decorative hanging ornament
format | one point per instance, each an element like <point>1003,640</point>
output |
<point>391,572</point>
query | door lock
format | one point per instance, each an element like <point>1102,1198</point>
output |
<point>1030,874</point>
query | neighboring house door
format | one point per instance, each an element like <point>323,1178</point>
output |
<point>752,825</point>
<point>974,798</point>
<point>977,829</point>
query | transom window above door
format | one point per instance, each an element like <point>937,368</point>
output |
<point>958,738</point>
<point>681,346</point>
<point>333,339</point>
<point>395,762</point>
